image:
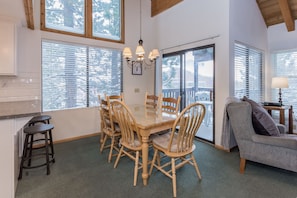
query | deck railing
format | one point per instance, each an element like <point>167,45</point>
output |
<point>198,94</point>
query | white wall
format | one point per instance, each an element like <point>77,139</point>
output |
<point>280,39</point>
<point>145,82</point>
<point>247,26</point>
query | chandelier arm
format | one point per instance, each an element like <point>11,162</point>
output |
<point>132,63</point>
<point>150,63</point>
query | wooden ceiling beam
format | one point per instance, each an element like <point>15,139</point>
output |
<point>287,14</point>
<point>158,6</point>
<point>28,5</point>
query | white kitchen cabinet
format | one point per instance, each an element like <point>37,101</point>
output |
<point>8,48</point>
<point>10,135</point>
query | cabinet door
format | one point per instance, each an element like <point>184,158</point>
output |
<point>7,158</point>
<point>7,48</point>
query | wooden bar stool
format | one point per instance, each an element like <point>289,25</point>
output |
<point>47,145</point>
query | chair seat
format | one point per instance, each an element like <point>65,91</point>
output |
<point>38,128</point>
<point>42,118</point>
<point>162,142</point>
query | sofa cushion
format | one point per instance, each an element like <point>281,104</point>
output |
<point>284,140</point>
<point>262,121</point>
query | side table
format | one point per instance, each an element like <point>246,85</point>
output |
<point>281,110</point>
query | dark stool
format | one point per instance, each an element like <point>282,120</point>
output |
<point>42,118</point>
<point>47,144</point>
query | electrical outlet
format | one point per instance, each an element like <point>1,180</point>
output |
<point>136,90</point>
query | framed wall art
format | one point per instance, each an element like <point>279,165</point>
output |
<point>136,69</point>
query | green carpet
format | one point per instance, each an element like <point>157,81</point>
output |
<point>81,171</point>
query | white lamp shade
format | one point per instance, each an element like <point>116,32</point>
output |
<point>155,53</point>
<point>139,50</point>
<point>279,82</point>
<point>127,52</point>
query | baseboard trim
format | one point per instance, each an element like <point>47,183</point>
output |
<point>221,148</point>
<point>76,138</point>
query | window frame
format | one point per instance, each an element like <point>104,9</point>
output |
<point>88,28</point>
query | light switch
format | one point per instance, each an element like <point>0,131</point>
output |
<point>136,90</point>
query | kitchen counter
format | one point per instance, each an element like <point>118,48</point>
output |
<point>17,109</point>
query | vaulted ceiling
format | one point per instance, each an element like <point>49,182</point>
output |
<point>279,11</point>
<point>273,11</point>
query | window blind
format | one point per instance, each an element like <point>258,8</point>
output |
<point>248,72</point>
<point>74,75</point>
<point>285,64</point>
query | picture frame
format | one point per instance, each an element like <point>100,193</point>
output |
<point>137,69</point>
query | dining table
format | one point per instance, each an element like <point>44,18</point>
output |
<point>149,122</point>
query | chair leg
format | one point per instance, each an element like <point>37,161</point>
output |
<point>103,143</point>
<point>136,168</point>
<point>242,165</point>
<point>47,154</point>
<point>173,176</point>
<point>118,157</point>
<point>30,149</point>
<point>153,161</point>
<point>52,146</point>
<point>23,157</point>
<point>196,166</point>
<point>101,137</point>
<point>111,149</point>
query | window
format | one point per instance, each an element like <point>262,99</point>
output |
<point>74,75</point>
<point>249,74</point>
<point>101,19</point>
<point>285,64</point>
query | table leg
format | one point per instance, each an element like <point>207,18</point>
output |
<point>145,140</point>
<point>291,119</point>
<point>282,116</point>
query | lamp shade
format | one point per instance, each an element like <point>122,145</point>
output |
<point>154,54</point>
<point>279,82</point>
<point>127,52</point>
<point>139,50</point>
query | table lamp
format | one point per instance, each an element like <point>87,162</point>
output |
<point>280,82</point>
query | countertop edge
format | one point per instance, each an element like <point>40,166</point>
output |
<point>19,116</point>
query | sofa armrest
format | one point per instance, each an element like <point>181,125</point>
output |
<point>281,128</point>
<point>285,140</point>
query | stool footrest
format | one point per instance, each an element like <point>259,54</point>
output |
<point>40,165</point>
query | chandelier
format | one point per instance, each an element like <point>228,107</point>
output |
<point>140,59</point>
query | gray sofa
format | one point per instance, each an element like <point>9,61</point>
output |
<point>278,151</point>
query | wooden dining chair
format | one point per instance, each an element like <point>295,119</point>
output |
<point>178,145</point>
<point>130,140</point>
<point>109,129</point>
<point>116,97</point>
<point>152,101</point>
<point>170,105</point>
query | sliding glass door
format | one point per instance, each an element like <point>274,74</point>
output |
<point>190,74</point>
